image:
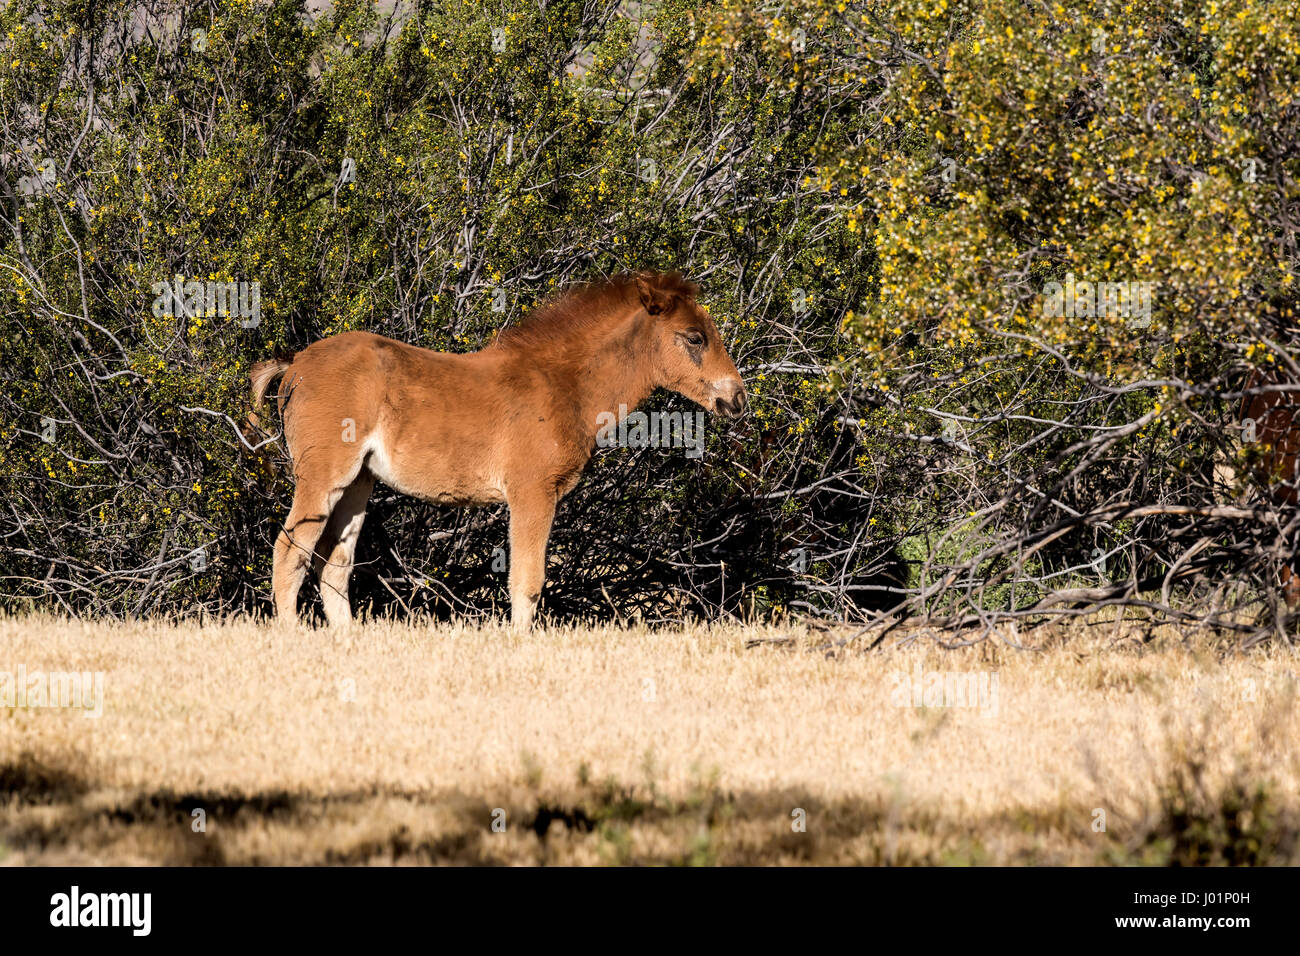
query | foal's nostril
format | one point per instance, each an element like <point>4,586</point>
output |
<point>733,407</point>
<point>730,404</point>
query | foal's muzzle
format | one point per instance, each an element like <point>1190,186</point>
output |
<point>733,405</point>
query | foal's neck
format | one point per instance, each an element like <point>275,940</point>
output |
<point>613,369</point>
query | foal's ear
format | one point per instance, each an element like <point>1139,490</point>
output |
<point>655,301</point>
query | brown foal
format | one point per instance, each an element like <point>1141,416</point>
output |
<point>515,422</point>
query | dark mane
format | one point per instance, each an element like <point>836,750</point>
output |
<point>584,306</point>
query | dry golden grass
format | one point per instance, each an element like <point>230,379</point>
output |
<point>397,743</point>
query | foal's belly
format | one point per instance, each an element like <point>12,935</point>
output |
<point>443,476</point>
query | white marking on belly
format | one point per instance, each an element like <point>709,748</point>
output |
<point>381,466</point>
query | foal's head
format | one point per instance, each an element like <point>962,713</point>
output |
<point>685,348</point>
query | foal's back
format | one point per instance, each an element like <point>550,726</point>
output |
<point>423,422</point>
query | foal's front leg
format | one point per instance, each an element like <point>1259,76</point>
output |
<point>531,513</point>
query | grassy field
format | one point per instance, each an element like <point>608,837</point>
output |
<point>245,743</point>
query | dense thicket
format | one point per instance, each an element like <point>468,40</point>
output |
<point>877,203</point>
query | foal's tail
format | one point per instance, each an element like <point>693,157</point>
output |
<point>261,376</point>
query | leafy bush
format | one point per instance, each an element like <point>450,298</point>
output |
<point>875,200</point>
<point>431,177</point>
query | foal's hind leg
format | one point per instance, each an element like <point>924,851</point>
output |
<point>337,547</point>
<point>296,544</point>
